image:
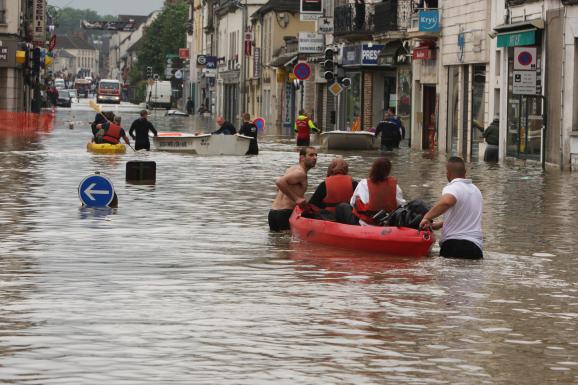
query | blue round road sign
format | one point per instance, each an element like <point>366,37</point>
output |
<point>302,71</point>
<point>96,191</point>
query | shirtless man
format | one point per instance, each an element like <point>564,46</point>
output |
<point>292,187</point>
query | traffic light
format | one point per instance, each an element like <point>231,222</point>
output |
<point>36,60</point>
<point>329,65</point>
<point>346,82</point>
<point>149,72</point>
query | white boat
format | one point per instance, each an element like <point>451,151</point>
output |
<point>202,144</point>
<point>348,140</point>
<point>176,113</point>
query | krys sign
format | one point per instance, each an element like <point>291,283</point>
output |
<point>429,21</point>
<point>370,54</point>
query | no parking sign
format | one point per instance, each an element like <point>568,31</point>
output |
<point>525,58</point>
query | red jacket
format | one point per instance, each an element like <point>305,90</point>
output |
<point>339,190</point>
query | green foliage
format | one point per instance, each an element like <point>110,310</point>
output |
<point>164,36</point>
<point>67,20</point>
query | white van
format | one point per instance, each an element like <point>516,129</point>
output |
<point>159,95</point>
<point>59,84</point>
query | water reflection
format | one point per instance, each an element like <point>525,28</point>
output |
<point>183,283</point>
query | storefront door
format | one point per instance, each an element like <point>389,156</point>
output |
<point>429,115</point>
<point>525,120</point>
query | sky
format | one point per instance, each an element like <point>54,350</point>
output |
<point>112,7</point>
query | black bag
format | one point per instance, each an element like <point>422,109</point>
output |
<point>409,215</point>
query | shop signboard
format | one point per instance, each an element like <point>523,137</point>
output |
<point>524,83</point>
<point>311,42</point>
<point>325,25</point>
<point>8,53</point>
<point>39,20</point>
<point>516,39</point>
<point>422,53</point>
<point>310,10</point>
<point>351,54</point>
<point>429,21</point>
<point>370,54</point>
<point>257,63</point>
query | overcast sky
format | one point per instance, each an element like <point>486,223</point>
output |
<point>112,7</point>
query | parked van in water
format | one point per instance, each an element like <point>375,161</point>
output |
<point>159,95</point>
<point>108,90</point>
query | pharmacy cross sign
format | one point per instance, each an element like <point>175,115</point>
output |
<point>302,71</point>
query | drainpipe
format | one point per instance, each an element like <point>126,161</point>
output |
<point>562,89</point>
<point>242,75</point>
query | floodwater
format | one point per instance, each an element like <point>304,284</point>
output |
<point>184,284</point>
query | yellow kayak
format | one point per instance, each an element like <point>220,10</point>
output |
<point>106,148</point>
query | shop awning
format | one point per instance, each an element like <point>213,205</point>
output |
<point>284,60</point>
<point>518,34</point>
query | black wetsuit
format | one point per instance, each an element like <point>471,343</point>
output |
<point>249,129</point>
<point>142,127</point>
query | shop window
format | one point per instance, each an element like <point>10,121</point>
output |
<point>352,97</point>
<point>2,11</point>
<point>525,119</point>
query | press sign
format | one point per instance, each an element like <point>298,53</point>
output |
<point>370,54</point>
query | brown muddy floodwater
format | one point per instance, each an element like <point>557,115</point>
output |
<point>184,284</point>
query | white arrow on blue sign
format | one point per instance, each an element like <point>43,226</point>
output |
<point>96,191</point>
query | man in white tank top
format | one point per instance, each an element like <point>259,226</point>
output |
<point>461,205</point>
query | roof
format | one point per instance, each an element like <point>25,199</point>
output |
<point>138,19</point>
<point>277,6</point>
<point>64,53</point>
<point>72,42</point>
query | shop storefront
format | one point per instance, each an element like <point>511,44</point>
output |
<point>376,85</point>
<point>525,115</point>
<point>466,109</point>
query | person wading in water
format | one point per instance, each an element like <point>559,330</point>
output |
<point>292,186</point>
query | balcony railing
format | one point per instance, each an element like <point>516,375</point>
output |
<point>389,15</point>
<point>519,2</point>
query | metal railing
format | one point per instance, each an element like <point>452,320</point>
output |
<point>392,15</point>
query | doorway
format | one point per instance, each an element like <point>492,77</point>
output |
<point>429,118</point>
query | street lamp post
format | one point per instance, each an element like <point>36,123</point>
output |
<point>243,69</point>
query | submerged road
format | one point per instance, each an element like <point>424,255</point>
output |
<point>184,284</point>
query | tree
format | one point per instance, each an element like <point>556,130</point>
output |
<point>164,36</point>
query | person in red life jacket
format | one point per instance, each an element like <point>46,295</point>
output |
<point>337,188</point>
<point>303,128</point>
<point>113,132</point>
<point>291,190</point>
<point>378,192</point>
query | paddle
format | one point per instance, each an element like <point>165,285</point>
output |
<point>98,110</point>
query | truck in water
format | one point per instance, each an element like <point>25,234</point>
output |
<point>108,91</point>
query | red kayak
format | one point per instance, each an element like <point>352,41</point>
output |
<point>395,241</point>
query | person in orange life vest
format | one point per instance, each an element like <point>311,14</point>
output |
<point>337,188</point>
<point>113,132</point>
<point>303,127</point>
<point>378,192</point>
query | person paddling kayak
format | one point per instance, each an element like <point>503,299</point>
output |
<point>291,190</point>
